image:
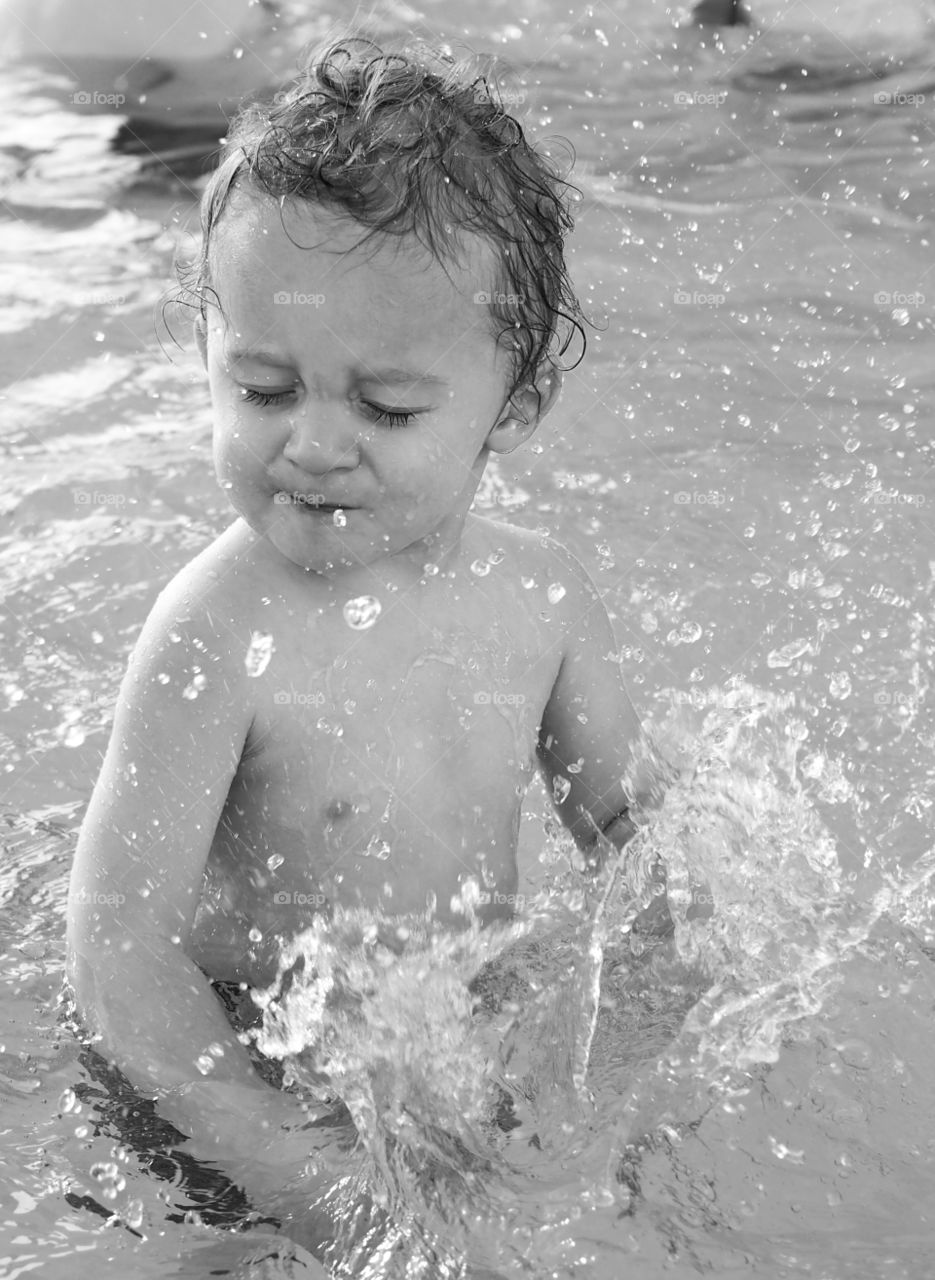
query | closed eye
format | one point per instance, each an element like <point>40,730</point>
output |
<point>250,395</point>
<point>392,417</point>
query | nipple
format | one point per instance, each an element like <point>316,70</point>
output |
<point>336,809</point>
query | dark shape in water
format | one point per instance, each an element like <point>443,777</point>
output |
<point>720,13</point>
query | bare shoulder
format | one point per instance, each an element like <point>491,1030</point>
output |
<point>214,602</point>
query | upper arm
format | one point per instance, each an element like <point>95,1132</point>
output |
<point>180,724</point>
<point>589,723</point>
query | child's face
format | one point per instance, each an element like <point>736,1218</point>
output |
<point>361,378</point>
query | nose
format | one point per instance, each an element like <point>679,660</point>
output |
<point>319,441</point>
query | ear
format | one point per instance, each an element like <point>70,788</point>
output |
<point>524,411</point>
<point>201,338</point>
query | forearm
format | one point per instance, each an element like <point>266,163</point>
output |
<point>156,1017</point>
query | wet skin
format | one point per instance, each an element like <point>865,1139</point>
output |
<point>381,766</point>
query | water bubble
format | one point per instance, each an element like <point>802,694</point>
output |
<point>362,612</point>
<point>785,656</point>
<point>255,934</point>
<point>69,1101</point>
<point>377,848</point>
<point>480,567</point>
<point>555,592</point>
<point>496,557</point>
<point>430,569</point>
<point>840,685</point>
<point>560,789</point>
<point>191,691</point>
<point>258,655</point>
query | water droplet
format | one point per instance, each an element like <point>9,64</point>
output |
<point>258,655</point>
<point>255,934</point>
<point>560,789</point>
<point>430,569</point>
<point>377,848</point>
<point>191,691</point>
<point>205,1064</point>
<point>163,678</point>
<point>275,860</point>
<point>74,736</point>
<point>362,612</point>
<point>528,582</point>
<point>785,656</point>
<point>339,518</point>
<point>480,567</point>
<point>555,592</point>
<point>496,557</point>
<point>840,685</point>
<point>69,1101</point>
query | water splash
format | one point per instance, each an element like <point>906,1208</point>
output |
<point>504,1079</point>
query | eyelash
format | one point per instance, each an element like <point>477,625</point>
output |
<point>392,417</point>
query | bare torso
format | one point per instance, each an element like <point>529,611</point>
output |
<point>385,766</point>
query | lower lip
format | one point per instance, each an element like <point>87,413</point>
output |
<point>321,510</point>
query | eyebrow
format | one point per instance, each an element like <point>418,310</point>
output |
<point>394,376</point>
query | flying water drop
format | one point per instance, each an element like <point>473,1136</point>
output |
<point>258,655</point>
<point>362,612</point>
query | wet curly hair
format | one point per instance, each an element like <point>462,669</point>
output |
<point>412,142</point>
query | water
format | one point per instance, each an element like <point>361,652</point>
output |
<point>744,462</point>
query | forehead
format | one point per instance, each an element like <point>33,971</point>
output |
<point>388,294</point>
